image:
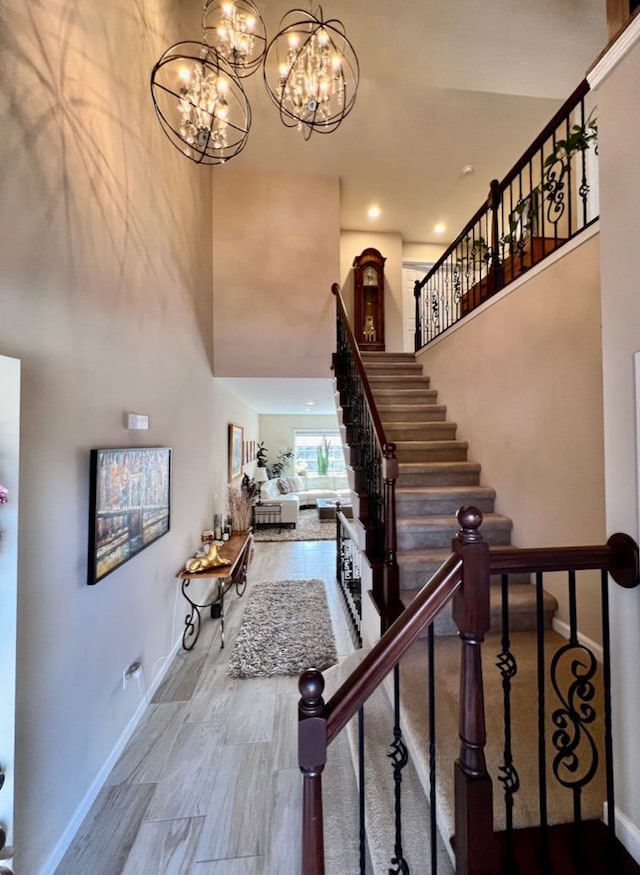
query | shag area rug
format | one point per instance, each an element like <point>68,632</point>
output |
<point>308,528</point>
<point>285,629</point>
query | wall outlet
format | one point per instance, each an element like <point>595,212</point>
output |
<point>131,671</point>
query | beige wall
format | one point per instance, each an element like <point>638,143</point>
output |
<point>523,381</point>
<point>276,255</point>
<point>105,297</point>
<point>619,147</point>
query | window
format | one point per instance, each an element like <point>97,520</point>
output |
<point>305,448</point>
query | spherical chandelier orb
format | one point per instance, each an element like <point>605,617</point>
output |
<point>236,29</point>
<point>200,103</point>
<point>311,72</point>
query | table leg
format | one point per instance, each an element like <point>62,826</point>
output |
<point>191,622</point>
<point>221,598</point>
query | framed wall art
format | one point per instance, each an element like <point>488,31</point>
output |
<point>129,505</point>
<point>236,435</point>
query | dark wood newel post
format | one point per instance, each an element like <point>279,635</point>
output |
<point>312,756</point>
<point>474,844</point>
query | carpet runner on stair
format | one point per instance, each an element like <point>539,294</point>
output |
<point>435,479</point>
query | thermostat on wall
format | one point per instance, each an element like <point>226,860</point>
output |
<point>137,421</point>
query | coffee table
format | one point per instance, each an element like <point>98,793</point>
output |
<point>327,508</point>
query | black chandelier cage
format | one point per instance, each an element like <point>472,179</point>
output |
<point>238,32</point>
<point>200,103</point>
<point>311,72</point>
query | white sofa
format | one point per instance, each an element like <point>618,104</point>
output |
<point>292,493</point>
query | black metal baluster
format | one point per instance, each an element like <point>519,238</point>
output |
<point>543,851</point>
<point>569,174</point>
<point>361,793</point>
<point>508,774</point>
<point>608,733</point>
<point>399,757</point>
<point>431,674</point>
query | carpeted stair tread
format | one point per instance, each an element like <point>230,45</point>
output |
<point>431,451</point>
<point>389,381</point>
<point>420,431</point>
<point>413,674</point>
<point>443,499</point>
<point>437,473</point>
<point>401,413</point>
<point>490,522</point>
<point>379,796</point>
<point>393,369</point>
<point>437,531</point>
<point>425,396</point>
<point>522,608</point>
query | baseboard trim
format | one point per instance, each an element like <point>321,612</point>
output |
<point>563,629</point>
<point>627,832</point>
<point>90,796</point>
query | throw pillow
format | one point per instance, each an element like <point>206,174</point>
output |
<point>294,484</point>
<point>283,486</point>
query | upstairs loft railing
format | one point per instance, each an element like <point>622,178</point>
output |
<point>569,695</point>
<point>373,463</point>
<point>546,199</point>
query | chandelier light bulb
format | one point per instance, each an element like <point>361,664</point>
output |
<point>238,33</point>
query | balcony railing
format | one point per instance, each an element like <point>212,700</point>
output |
<point>546,199</point>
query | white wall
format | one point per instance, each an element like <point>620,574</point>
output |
<point>105,297</point>
<point>618,148</point>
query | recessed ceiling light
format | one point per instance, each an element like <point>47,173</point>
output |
<point>374,212</point>
<point>440,228</point>
<point>310,403</point>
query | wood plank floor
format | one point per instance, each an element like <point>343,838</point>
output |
<point>209,783</point>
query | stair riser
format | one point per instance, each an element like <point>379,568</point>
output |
<point>436,453</point>
<point>427,539</point>
<point>441,504</point>
<point>439,478</point>
<point>425,413</point>
<point>398,383</point>
<point>406,396</point>
<point>399,369</point>
<point>422,431</point>
<point>407,357</point>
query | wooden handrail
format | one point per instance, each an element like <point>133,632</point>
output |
<point>498,186</point>
<point>344,703</point>
<point>385,445</point>
<point>619,556</point>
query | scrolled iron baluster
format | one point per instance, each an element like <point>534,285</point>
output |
<point>553,188</point>
<point>399,756</point>
<point>571,738</point>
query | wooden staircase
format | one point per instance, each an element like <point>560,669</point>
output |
<point>435,479</point>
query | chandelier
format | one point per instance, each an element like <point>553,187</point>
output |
<point>310,69</point>
<point>237,30</point>
<point>311,72</point>
<point>200,103</point>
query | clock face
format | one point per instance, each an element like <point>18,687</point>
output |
<point>370,276</point>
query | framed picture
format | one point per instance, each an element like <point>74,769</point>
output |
<point>236,434</point>
<point>129,505</point>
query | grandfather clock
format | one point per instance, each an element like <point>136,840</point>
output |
<point>368,323</point>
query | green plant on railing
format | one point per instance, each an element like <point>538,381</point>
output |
<point>323,457</point>
<point>580,139</point>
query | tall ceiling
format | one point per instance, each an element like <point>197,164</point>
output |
<point>444,84</point>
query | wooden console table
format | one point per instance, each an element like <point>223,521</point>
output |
<point>237,550</point>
